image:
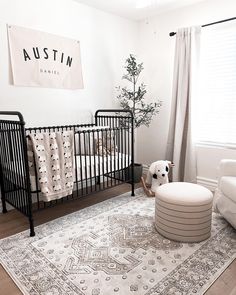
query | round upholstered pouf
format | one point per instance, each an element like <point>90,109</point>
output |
<point>183,211</point>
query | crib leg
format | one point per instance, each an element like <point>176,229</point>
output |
<point>4,208</point>
<point>132,192</point>
<point>32,232</point>
<point>132,179</point>
<point>98,180</point>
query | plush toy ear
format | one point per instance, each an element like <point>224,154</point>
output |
<point>152,168</point>
<point>170,164</point>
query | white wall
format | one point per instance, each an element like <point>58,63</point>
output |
<point>157,51</point>
<point>105,42</point>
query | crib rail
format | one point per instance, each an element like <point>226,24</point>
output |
<point>124,120</point>
<point>14,170</point>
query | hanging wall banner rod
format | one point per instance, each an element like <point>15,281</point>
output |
<point>215,23</point>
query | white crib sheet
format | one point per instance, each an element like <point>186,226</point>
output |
<point>90,166</point>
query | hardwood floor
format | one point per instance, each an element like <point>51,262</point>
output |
<point>14,222</point>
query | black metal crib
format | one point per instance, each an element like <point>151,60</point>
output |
<point>15,181</point>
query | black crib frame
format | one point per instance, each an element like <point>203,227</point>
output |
<point>14,168</point>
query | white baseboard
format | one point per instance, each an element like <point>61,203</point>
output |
<point>211,184</point>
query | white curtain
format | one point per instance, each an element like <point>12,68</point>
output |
<point>180,147</point>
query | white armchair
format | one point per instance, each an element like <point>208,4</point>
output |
<point>225,194</point>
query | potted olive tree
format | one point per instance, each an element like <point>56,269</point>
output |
<point>133,98</point>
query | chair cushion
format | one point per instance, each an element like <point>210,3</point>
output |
<point>228,187</point>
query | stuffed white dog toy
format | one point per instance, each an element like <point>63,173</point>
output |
<point>156,176</point>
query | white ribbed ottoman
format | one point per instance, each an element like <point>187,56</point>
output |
<point>183,211</point>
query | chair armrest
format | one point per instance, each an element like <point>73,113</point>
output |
<point>227,168</point>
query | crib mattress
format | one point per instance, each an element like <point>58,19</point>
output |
<point>91,166</point>
<point>86,167</point>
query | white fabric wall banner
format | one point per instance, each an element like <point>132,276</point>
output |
<point>44,60</point>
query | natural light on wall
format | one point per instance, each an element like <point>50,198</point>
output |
<point>215,107</point>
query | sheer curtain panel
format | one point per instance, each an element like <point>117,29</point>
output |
<point>180,146</point>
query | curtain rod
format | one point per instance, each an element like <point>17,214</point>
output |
<point>220,21</point>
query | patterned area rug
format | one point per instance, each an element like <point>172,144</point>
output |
<point>113,248</point>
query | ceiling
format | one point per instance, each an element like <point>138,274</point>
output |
<point>137,9</point>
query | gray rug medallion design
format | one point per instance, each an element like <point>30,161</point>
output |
<point>113,248</point>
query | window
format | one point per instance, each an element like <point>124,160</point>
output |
<point>214,108</point>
